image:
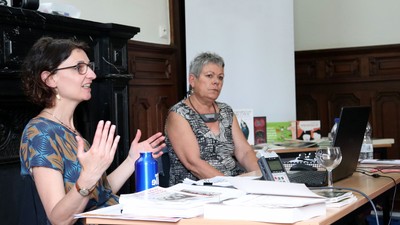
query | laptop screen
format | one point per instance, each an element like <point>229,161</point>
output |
<point>349,137</point>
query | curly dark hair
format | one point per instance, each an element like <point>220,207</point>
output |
<point>45,55</point>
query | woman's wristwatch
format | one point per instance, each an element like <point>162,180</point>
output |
<point>84,191</point>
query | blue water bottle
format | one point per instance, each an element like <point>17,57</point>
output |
<point>146,172</point>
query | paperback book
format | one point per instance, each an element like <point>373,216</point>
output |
<point>246,123</point>
<point>342,202</point>
<point>281,131</point>
<point>308,130</point>
<point>260,130</point>
<point>336,198</point>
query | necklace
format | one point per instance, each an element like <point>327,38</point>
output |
<point>61,122</point>
<point>208,117</point>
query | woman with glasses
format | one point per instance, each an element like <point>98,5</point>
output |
<point>69,173</point>
<point>203,136</point>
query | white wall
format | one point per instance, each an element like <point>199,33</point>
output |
<point>322,24</point>
<point>318,24</point>
<point>148,15</point>
<point>255,37</point>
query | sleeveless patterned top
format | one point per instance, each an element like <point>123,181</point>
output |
<point>217,150</point>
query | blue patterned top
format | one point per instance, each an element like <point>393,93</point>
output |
<point>46,143</point>
<point>216,149</point>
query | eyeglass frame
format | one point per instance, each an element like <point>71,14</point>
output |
<point>90,64</point>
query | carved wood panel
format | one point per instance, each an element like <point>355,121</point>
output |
<point>13,118</point>
<point>308,106</point>
<point>153,89</point>
<point>344,67</point>
<point>328,79</point>
<point>384,65</point>
<point>387,108</point>
<point>148,109</point>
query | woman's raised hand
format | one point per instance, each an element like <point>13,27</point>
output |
<point>153,144</point>
<point>101,153</point>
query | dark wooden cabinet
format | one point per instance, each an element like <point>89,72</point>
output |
<point>328,79</point>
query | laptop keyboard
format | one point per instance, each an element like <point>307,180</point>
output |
<point>309,178</point>
<point>316,178</point>
<point>289,164</point>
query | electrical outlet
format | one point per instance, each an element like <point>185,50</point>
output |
<point>162,31</point>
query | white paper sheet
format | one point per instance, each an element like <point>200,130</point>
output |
<point>114,212</point>
<point>381,161</point>
<point>272,187</point>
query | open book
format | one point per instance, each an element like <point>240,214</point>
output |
<point>181,200</point>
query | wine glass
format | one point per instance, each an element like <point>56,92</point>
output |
<point>329,157</point>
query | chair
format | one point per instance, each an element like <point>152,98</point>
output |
<point>31,211</point>
<point>163,168</point>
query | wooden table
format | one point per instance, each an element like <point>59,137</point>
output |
<point>381,147</point>
<point>372,187</point>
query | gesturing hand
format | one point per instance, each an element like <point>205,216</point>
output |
<point>153,144</point>
<point>99,157</point>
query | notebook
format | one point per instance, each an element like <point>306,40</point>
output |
<point>349,137</point>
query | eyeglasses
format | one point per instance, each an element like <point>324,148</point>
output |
<point>80,67</point>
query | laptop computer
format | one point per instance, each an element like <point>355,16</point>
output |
<point>349,137</point>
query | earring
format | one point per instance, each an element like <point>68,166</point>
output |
<point>58,97</point>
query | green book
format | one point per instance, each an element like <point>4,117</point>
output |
<point>281,131</point>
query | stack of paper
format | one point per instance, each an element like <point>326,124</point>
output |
<point>266,208</point>
<point>268,201</point>
<point>180,200</point>
<point>255,200</point>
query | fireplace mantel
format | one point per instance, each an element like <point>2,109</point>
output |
<point>19,29</point>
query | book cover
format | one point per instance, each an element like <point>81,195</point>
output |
<point>281,131</point>
<point>260,130</point>
<point>308,130</point>
<point>246,123</point>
